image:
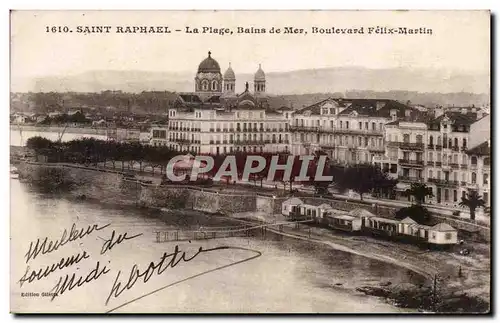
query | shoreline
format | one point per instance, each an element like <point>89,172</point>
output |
<point>401,255</point>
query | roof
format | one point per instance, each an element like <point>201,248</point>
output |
<point>420,226</point>
<point>483,149</point>
<point>190,98</point>
<point>457,118</point>
<point>315,108</point>
<point>294,201</point>
<point>343,217</point>
<point>361,213</point>
<point>260,75</point>
<point>378,108</point>
<point>209,65</point>
<point>408,220</point>
<point>443,227</point>
<point>325,206</point>
<point>384,220</point>
<point>229,74</point>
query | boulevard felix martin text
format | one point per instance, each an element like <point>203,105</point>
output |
<point>291,30</point>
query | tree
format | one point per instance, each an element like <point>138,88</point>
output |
<point>416,212</point>
<point>361,178</point>
<point>472,201</point>
<point>420,192</point>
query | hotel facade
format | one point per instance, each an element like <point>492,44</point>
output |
<point>448,150</point>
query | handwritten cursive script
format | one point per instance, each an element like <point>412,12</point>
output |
<point>47,246</point>
<point>134,275</point>
<point>168,260</point>
<point>70,282</point>
<point>110,243</point>
<point>41,273</point>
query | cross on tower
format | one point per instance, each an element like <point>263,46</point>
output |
<point>209,53</point>
<point>246,87</point>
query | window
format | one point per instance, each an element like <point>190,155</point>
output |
<point>434,236</point>
<point>347,124</point>
<point>406,138</point>
<point>473,160</point>
<point>455,195</point>
<point>485,179</point>
<point>473,178</point>
<point>446,195</point>
<point>204,85</point>
<point>486,161</point>
<point>456,142</point>
<point>419,139</point>
<point>448,235</point>
<point>430,173</point>
<point>431,140</point>
<point>464,142</point>
<point>431,156</point>
<point>361,125</point>
<point>340,124</point>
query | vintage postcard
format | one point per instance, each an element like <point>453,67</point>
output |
<point>250,162</point>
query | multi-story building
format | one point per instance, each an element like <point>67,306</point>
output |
<point>432,150</point>
<point>351,131</point>
<point>215,120</point>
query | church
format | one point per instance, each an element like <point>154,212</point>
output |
<point>212,89</point>
<point>215,120</point>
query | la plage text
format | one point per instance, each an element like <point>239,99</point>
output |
<point>291,30</point>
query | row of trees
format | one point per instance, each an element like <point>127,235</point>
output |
<point>363,178</point>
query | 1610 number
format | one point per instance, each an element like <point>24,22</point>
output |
<point>57,29</point>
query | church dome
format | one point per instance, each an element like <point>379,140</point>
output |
<point>246,104</point>
<point>229,74</point>
<point>260,75</point>
<point>209,65</point>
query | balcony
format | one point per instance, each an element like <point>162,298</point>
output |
<point>182,141</point>
<point>454,165</point>
<point>411,146</point>
<point>410,179</point>
<point>438,147</point>
<point>375,132</point>
<point>463,149</point>
<point>430,163</point>
<point>249,142</point>
<point>211,129</point>
<point>211,142</point>
<point>463,183</point>
<point>327,145</point>
<point>443,182</point>
<point>438,164</point>
<point>411,162</point>
<point>455,148</point>
<point>430,146</point>
<point>464,166</point>
<point>376,149</point>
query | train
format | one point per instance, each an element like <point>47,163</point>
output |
<point>360,221</point>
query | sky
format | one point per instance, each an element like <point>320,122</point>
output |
<point>460,41</point>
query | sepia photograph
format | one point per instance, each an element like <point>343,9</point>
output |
<point>250,162</point>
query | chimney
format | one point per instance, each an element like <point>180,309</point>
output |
<point>380,105</point>
<point>407,112</point>
<point>438,112</point>
<point>464,111</point>
<point>394,114</point>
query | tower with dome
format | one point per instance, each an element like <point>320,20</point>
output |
<point>215,119</point>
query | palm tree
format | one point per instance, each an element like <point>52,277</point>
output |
<point>472,201</point>
<point>420,192</point>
